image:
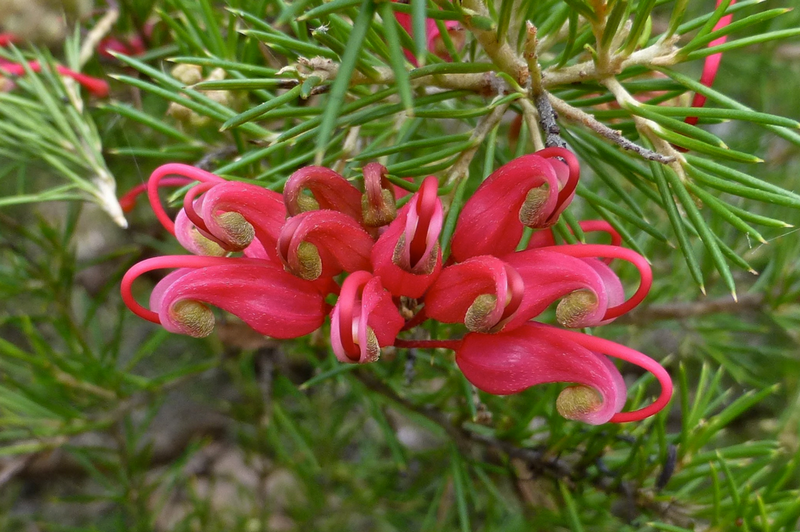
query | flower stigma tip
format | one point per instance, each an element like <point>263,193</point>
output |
<point>576,402</point>
<point>310,261</point>
<point>530,214</point>
<point>477,313</point>
<point>196,319</point>
<point>573,308</point>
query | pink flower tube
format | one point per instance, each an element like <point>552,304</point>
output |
<point>363,320</point>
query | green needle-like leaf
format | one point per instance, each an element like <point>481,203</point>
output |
<point>346,69</point>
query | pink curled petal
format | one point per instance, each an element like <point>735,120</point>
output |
<point>457,287</point>
<point>423,226</point>
<point>342,244</point>
<point>270,300</point>
<point>157,295</point>
<point>382,314</point>
<point>548,276</point>
<point>407,256</point>
<point>489,223</point>
<point>256,251</point>
<point>363,305</point>
<point>262,208</point>
<point>615,293</point>
<point>510,362</point>
<point>331,191</point>
<point>194,239</point>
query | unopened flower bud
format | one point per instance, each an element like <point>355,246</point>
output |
<point>576,402</point>
<point>205,246</point>
<point>380,213</point>
<point>477,314</point>
<point>188,74</point>
<point>196,319</point>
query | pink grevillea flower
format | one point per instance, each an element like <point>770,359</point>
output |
<point>434,37</point>
<point>323,243</point>
<point>314,187</point>
<point>270,300</point>
<point>229,215</point>
<point>711,65</point>
<point>490,294</point>
<point>513,361</point>
<point>531,190</point>
<point>363,320</point>
<point>407,256</point>
<point>95,86</point>
<point>7,38</point>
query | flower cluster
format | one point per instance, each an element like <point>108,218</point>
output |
<point>324,240</point>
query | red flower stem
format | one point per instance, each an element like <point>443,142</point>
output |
<point>428,344</point>
<point>616,252</point>
<point>128,200</point>
<point>184,170</point>
<point>593,343</point>
<point>168,261</point>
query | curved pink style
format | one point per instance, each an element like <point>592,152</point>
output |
<point>549,276</point>
<point>160,174</point>
<point>323,244</point>
<point>591,251</point>
<point>711,65</point>
<point>531,190</point>
<point>510,362</point>
<point>128,200</point>
<point>407,256</point>
<point>601,345</point>
<point>329,191</point>
<point>545,237</point>
<point>270,300</point>
<point>363,320</point>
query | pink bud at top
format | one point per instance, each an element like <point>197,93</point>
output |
<point>270,300</point>
<point>407,255</point>
<point>378,202</point>
<point>531,190</point>
<point>481,292</point>
<point>328,191</point>
<point>323,244</point>
<point>363,320</point>
<point>532,354</point>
